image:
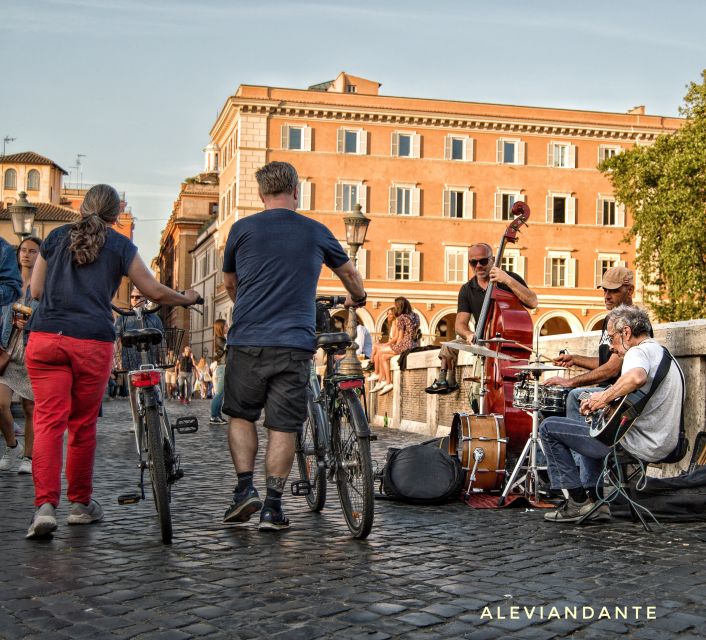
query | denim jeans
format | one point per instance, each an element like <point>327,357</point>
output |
<point>573,403</point>
<point>560,437</point>
<point>218,386</point>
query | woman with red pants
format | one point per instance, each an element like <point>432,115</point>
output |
<point>70,349</point>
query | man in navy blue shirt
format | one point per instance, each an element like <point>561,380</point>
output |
<point>271,266</point>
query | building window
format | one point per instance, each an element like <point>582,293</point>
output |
<point>609,213</point>
<point>213,209</point>
<point>404,200</point>
<point>456,264</point>
<point>403,263</point>
<point>559,270</point>
<point>10,179</point>
<point>606,151</point>
<point>351,88</point>
<point>458,203</point>
<point>458,148</point>
<point>33,180</point>
<point>405,145</point>
<point>304,201</point>
<point>510,151</point>
<point>296,138</point>
<point>513,261</point>
<point>561,154</point>
<point>504,200</point>
<point>604,262</point>
<point>348,194</point>
<point>353,141</point>
<point>561,209</point>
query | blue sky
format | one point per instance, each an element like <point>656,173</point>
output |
<point>135,85</point>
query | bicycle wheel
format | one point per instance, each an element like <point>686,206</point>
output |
<point>308,451</point>
<point>157,451</point>
<point>354,467</point>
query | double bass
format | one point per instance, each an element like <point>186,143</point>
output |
<point>503,316</point>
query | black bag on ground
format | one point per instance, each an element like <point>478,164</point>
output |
<point>421,474</point>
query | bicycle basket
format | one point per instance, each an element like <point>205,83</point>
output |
<point>170,348</point>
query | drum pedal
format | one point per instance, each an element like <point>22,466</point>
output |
<point>301,488</point>
<point>129,498</point>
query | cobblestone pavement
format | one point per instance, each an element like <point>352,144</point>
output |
<point>425,572</point>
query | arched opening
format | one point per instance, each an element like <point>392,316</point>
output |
<point>555,326</point>
<point>33,180</point>
<point>596,324</point>
<point>444,330</point>
<point>10,179</point>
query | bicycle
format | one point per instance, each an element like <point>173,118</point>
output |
<point>334,444</point>
<point>154,434</point>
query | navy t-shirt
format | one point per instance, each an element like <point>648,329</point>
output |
<point>76,299</point>
<point>276,256</point>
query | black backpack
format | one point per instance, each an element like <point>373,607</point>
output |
<point>421,474</point>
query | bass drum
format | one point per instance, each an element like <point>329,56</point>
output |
<point>479,442</point>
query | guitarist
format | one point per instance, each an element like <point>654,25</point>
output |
<point>653,435</point>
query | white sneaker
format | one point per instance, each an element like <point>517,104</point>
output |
<point>373,377</point>
<point>377,387</point>
<point>43,522</point>
<point>11,456</point>
<point>19,431</point>
<point>85,513</point>
<point>387,388</point>
<point>25,465</point>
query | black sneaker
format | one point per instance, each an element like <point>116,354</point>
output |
<point>271,520</point>
<point>441,388</point>
<point>243,506</point>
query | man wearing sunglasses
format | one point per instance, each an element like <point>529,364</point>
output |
<point>470,302</point>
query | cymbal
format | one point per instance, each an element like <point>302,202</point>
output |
<point>537,366</point>
<point>497,341</point>
<point>479,351</point>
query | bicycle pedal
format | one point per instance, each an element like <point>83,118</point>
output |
<point>372,437</point>
<point>178,474</point>
<point>186,425</point>
<point>129,498</point>
<point>301,488</point>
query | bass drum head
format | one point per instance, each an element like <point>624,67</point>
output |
<point>479,441</point>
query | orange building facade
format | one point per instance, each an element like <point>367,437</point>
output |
<point>434,177</point>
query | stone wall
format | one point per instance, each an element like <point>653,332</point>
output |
<point>409,408</point>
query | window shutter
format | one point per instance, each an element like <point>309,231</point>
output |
<point>415,260</point>
<point>395,144</point>
<point>498,206</point>
<point>341,140</point>
<point>305,196</point>
<point>464,267</point>
<point>499,152</point>
<point>550,154</point>
<point>570,210</point>
<point>599,210</point>
<point>416,145</point>
<point>619,215</point>
<point>446,204</point>
<point>521,265</point>
<point>306,134</point>
<point>597,275</point>
<point>572,156</point>
<point>391,265</point>
<point>547,272</point>
<point>363,263</point>
<point>339,197</point>
<point>550,209</point>
<point>448,144</point>
<point>521,152</point>
<point>469,144</point>
<point>468,202</point>
<point>363,197</point>
<point>393,199</point>
<point>622,263</point>
<point>416,196</point>
<point>285,136</point>
<point>363,142</point>
<point>571,272</point>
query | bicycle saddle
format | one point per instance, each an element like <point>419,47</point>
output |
<point>333,340</point>
<point>136,337</point>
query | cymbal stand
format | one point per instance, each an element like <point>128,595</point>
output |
<point>527,463</point>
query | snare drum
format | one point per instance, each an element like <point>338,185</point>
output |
<point>554,399</point>
<point>479,443</point>
<point>523,395</point>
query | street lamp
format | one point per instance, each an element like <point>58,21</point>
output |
<point>22,214</point>
<point>356,228</point>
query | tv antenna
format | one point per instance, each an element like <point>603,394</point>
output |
<point>5,141</point>
<point>79,170</point>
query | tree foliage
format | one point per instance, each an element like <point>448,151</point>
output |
<point>664,185</point>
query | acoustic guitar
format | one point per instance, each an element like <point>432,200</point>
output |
<point>610,424</point>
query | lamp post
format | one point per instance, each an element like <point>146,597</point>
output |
<point>22,215</point>
<point>356,229</point>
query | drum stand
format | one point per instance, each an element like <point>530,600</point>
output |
<point>527,482</point>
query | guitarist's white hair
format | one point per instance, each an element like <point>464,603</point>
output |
<point>628,316</point>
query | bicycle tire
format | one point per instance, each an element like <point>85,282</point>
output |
<point>354,467</point>
<point>158,472</point>
<point>308,454</point>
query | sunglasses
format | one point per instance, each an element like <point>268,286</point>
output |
<point>482,262</point>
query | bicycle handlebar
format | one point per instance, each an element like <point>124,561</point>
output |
<point>331,301</point>
<point>151,310</point>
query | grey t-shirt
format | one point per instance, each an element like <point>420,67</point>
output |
<point>655,433</point>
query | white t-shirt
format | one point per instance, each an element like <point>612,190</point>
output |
<point>656,431</point>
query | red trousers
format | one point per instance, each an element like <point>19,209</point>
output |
<point>69,377</point>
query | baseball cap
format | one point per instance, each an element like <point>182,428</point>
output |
<point>616,277</point>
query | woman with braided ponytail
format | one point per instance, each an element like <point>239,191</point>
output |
<point>70,349</point>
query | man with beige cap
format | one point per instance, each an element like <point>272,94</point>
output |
<point>618,287</point>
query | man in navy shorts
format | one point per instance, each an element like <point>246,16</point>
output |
<point>271,267</point>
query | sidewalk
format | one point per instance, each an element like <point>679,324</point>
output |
<point>424,572</point>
